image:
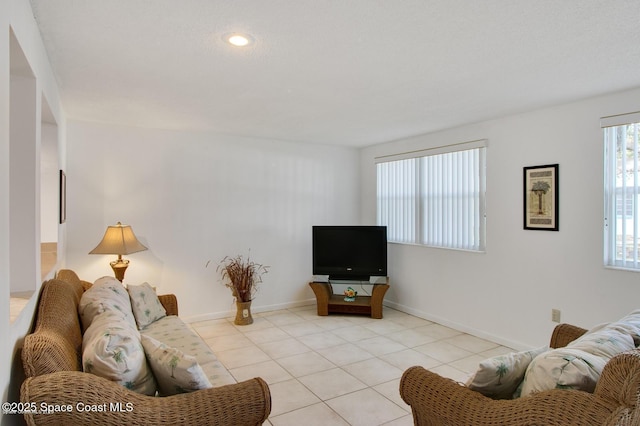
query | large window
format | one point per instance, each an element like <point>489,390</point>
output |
<point>622,189</point>
<point>434,197</point>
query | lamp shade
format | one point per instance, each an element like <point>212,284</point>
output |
<point>118,239</point>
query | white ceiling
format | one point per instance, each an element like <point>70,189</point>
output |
<point>350,72</point>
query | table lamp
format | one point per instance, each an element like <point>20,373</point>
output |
<point>119,239</point>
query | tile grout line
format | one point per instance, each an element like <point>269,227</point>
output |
<point>306,316</point>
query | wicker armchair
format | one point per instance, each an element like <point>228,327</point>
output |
<point>52,361</point>
<point>436,400</point>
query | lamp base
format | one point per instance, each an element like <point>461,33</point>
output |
<point>119,267</point>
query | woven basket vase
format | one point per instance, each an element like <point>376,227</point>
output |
<point>243,313</point>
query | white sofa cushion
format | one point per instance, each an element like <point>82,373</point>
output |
<point>173,332</point>
<point>580,363</point>
<point>145,304</point>
<point>500,376</point>
<point>106,294</point>
<point>111,349</point>
<point>175,371</point>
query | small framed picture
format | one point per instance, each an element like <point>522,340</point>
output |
<point>63,197</point>
<point>541,198</point>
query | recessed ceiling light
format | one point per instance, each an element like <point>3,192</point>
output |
<point>239,40</point>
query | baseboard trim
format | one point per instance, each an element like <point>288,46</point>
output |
<point>402,308</point>
<point>457,326</point>
<point>254,310</point>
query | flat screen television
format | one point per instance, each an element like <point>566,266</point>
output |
<point>350,252</point>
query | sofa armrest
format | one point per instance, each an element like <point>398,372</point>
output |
<point>244,403</point>
<point>436,400</point>
<point>170,303</point>
<point>620,380</point>
<point>563,334</point>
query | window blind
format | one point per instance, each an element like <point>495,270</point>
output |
<point>622,190</point>
<point>434,197</point>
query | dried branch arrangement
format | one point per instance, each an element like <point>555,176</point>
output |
<point>242,276</point>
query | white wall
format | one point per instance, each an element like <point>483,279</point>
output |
<point>193,197</point>
<point>49,183</point>
<point>17,16</point>
<point>5,328</point>
<point>24,239</point>
<point>508,292</point>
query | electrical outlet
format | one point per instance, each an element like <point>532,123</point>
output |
<point>555,315</point>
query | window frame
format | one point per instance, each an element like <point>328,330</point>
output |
<point>629,201</point>
<point>479,173</point>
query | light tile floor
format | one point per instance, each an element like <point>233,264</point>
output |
<point>18,301</point>
<point>340,369</point>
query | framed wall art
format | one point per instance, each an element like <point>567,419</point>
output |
<point>541,197</point>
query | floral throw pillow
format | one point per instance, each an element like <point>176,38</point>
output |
<point>175,371</point>
<point>105,295</point>
<point>111,349</point>
<point>579,364</point>
<point>500,376</point>
<point>145,304</point>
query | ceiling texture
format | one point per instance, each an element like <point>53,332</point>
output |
<point>343,72</point>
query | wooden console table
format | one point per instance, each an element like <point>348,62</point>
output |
<point>335,303</point>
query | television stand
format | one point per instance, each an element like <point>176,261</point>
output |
<point>335,303</point>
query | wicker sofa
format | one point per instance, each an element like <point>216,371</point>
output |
<point>435,400</point>
<point>52,361</point>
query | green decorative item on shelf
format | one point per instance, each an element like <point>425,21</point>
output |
<point>350,295</point>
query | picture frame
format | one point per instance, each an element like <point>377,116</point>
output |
<point>541,197</point>
<point>63,197</point>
